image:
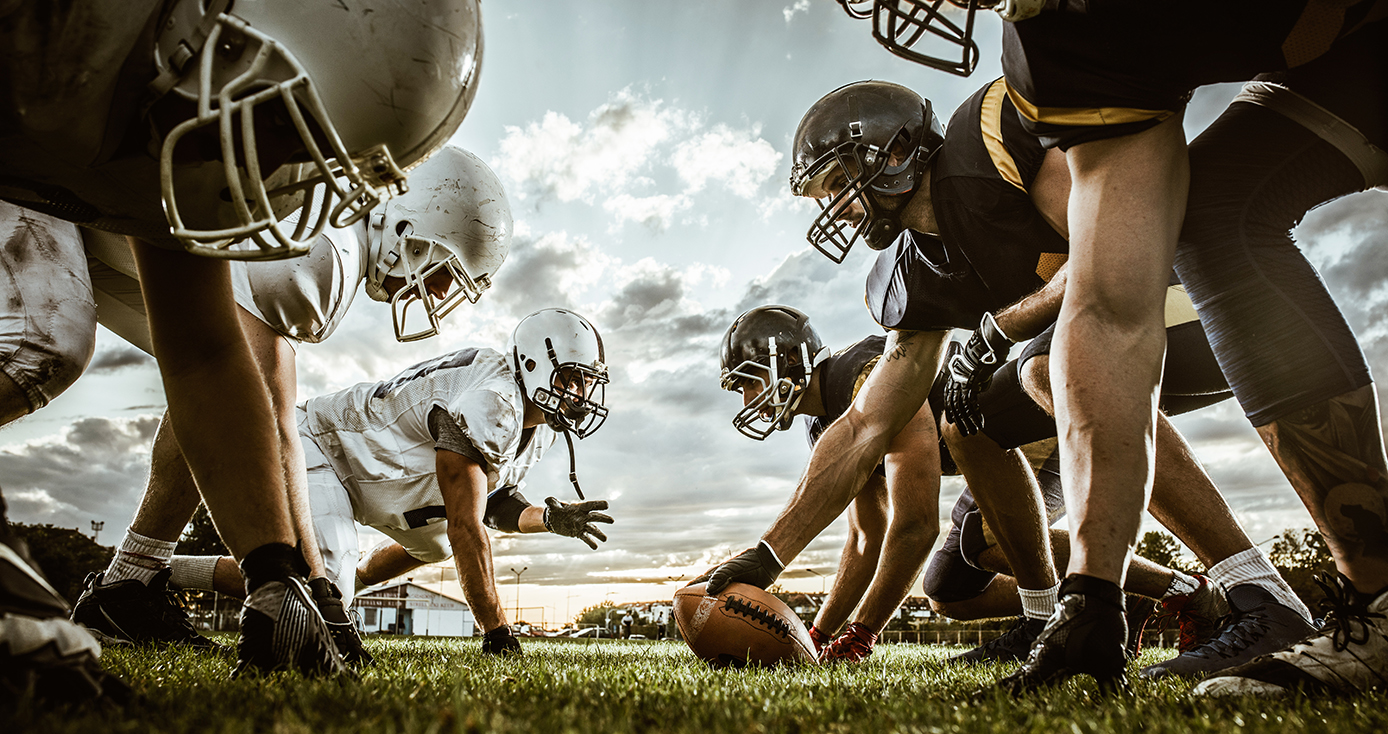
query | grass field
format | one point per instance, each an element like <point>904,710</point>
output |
<point>446,685</point>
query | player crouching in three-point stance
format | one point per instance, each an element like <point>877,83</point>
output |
<point>775,359</point>
<point>197,125</point>
<point>433,454</point>
<point>426,252</point>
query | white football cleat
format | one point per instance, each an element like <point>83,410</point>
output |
<point>1349,655</point>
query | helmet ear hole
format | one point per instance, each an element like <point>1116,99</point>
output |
<point>529,365</point>
<point>403,228</point>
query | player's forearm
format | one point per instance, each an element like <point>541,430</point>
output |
<point>855,443</point>
<point>856,567</point>
<point>385,562</point>
<point>1034,313</point>
<point>472,556</point>
<point>904,552</point>
<point>532,520</point>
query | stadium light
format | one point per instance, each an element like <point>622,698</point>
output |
<point>518,575</point>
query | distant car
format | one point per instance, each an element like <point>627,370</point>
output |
<point>637,637</point>
<point>593,633</point>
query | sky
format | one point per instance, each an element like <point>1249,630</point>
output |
<point>645,151</point>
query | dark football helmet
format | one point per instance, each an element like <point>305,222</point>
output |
<point>921,31</point>
<point>844,152</point>
<point>771,349</point>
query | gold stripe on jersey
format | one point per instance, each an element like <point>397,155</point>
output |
<point>1179,309</point>
<point>863,375</point>
<point>1083,116</point>
<point>1049,263</point>
<point>990,122</point>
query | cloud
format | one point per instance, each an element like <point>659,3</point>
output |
<point>569,161</point>
<point>800,6</point>
<point>642,159</point>
<point>93,469</point>
<point>740,159</point>
<point>115,358</point>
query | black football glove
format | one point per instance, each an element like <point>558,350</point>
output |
<point>971,371</point>
<point>576,520</point>
<point>757,566</point>
<point>500,641</point>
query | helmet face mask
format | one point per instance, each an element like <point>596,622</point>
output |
<point>558,359</point>
<point>447,236</point>
<point>861,151</point>
<point>880,224</point>
<point>772,350</point>
<point>921,31</point>
<point>334,156</point>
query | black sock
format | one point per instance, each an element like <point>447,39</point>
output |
<point>272,562</point>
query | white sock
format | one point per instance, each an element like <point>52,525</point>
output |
<point>1181,584</point>
<point>1252,567</point>
<point>1039,603</point>
<point>194,572</point>
<point>138,558</point>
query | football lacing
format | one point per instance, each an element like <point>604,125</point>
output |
<point>754,612</point>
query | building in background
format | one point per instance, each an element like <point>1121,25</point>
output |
<point>406,608</point>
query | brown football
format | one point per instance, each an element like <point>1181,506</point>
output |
<point>743,625</point>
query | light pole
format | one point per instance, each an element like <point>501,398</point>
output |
<point>821,578</point>
<point>518,575</point>
<point>96,528</point>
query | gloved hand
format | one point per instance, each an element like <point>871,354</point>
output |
<point>757,566</point>
<point>576,520</point>
<point>819,637</point>
<point>971,371</point>
<point>853,645</point>
<point>500,641</point>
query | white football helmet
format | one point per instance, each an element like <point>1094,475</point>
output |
<point>558,358</point>
<point>365,90</point>
<point>455,219</point>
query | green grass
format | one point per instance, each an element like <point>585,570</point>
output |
<point>446,685</point>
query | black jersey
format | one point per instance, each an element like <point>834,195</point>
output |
<point>994,246</point>
<point>840,378</point>
<point>1126,67</point>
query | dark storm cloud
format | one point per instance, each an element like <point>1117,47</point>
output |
<point>110,360</point>
<point>95,469</point>
<point>531,272</point>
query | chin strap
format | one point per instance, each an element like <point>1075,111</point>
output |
<point>573,466</point>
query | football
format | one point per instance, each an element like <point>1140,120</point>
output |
<point>742,626</point>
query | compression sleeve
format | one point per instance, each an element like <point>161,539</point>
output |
<point>449,435</point>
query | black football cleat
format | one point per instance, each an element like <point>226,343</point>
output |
<point>1139,612</point>
<point>281,627</point>
<point>328,598</point>
<point>1009,647</point>
<point>1088,634</point>
<point>132,612</point>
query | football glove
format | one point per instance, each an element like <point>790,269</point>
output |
<point>500,641</point>
<point>819,637</point>
<point>757,566</point>
<point>971,371</point>
<point>576,520</point>
<point>853,645</point>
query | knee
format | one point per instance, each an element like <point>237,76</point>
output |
<point>1036,381</point>
<point>44,369</point>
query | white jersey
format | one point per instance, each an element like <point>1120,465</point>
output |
<point>376,438</point>
<point>303,298</point>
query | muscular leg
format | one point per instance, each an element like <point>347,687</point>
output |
<point>998,600</point>
<point>1126,206</point>
<point>1333,454</point>
<point>1144,577</point>
<point>1009,498</point>
<point>867,524</point>
<point>218,404</point>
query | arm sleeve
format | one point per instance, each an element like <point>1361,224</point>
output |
<point>450,436</point>
<point>504,508</point>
